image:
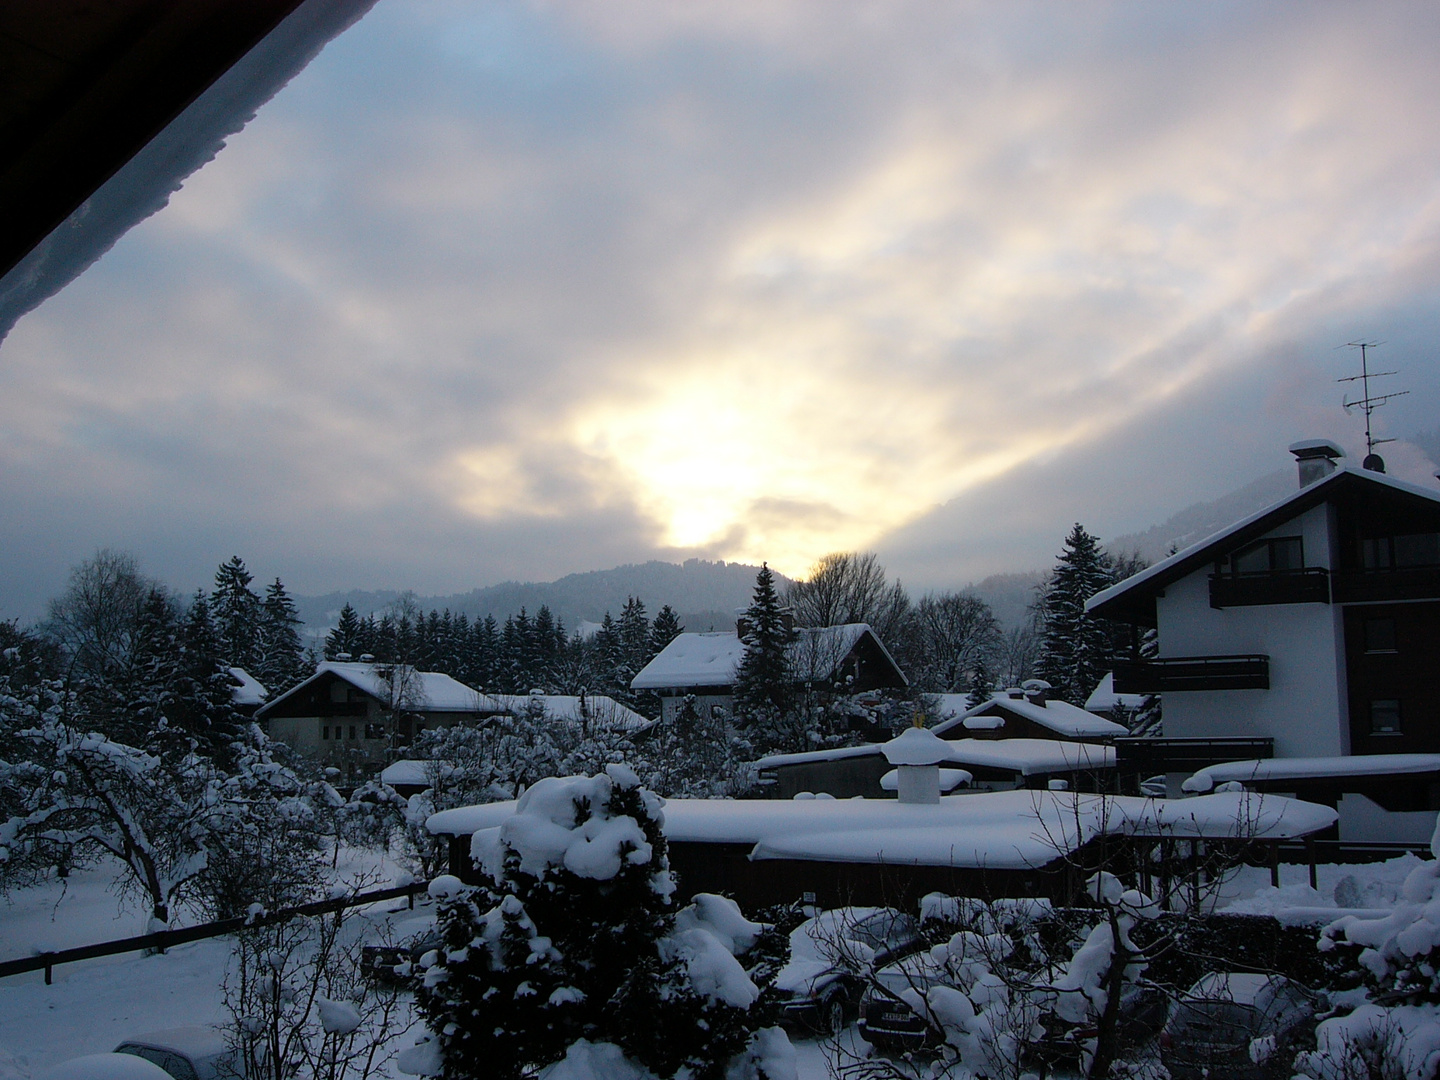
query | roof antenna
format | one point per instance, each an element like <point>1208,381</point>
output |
<point>1373,461</point>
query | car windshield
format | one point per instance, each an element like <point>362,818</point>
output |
<point>1229,1019</point>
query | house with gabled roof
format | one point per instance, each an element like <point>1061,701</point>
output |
<point>704,664</point>
<point>352,716</point>
<point>1028,712</point>
<point>1308,630</point>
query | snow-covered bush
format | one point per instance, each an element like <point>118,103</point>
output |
<point>576,937</point>
<point>1400,952</point>
<point>300,1004</point>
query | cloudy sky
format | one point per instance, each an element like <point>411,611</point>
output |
<point>500,291</point>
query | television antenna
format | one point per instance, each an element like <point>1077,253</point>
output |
<point>1367,402</point>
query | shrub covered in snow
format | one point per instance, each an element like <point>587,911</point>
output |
<point>576,938</point>
<point>1400,952</point>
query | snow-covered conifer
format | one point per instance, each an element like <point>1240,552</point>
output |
<point>576,939</point>
<point>1077,649</point>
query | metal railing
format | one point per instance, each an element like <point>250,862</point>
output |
<point>1308,586</point>
<point>165,939</point>
<point>1239,672</point>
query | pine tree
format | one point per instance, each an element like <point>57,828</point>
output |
<point>345,638</point>
<point>764,687</point>
<point>236,611</point>
<point>980,687</point>
<point>282,655</point>
<point>665,629</point>
<point>582,940</point>
<point>1076,649</point>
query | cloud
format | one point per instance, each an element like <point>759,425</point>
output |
<point>532,289</point>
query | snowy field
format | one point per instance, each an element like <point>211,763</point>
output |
<point>95,1004</point>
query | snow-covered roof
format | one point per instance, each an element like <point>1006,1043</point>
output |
<point>1030,757</point>
<point>809,757</point>
<point>1001,830</point>
<point>1186,561</point>
<point>1059,716</point>
<point>1104,698</point>
<point>593,708</point>
<point>1026,757</point>
<point>711,659</point>
<point>248,689</point>
<point>1312,768</point>
<point>424,691</point>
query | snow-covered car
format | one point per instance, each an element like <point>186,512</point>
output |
<point>1238,1024</point>
<point>832,956</point>
<point>187,1053</point>
<point>887,1020</point>
<point>104,1067</point>
<point>1143,1012</point>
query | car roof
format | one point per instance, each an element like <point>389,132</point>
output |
<point>198,1041</point>
<point>1241,987</point>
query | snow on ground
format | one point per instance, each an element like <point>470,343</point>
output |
<point>1359,885</point>
<point>95,1004</point>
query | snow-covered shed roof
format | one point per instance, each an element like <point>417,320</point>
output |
<point>248,690</point>
<point>1025,757</point>
<point>1030,757</point>
<point>593,708</point>
<point>1104,698</point>
<point>711,659</point>
<point>427,691</point>
<point>1059,716</point>
<point>1133,600</point>
<point>1312,768</point>
<point>999,830</point>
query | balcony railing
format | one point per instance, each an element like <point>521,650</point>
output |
<point>1159,676</point>
<point>1308,586</point>
<point>1150,756</point>
<point>1394,583</point>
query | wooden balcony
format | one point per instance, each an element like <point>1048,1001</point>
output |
<point>1308,586</point>
<point>1383,586</point>
<point>1160,676</point>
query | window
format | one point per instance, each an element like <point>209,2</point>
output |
<point>1379,635</point>
<point>1385,717</point>
<point>1277,555</point>
<point>352,731</point>
<point>374,731</point>
<point>325,732</point>
<point>1410,549</point>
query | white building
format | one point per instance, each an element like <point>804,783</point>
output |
<point>1314,623</point>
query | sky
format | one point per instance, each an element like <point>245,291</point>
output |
<point>509,291</point>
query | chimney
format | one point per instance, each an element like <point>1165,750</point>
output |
<point>1036,691</point>
<point>916,754</point>
<point>1316,459</point>
<point>1015,693</point>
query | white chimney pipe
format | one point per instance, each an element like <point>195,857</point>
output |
<point>1316,459</point>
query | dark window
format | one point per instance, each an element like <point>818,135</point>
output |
<point>1410,549</point>
<point>352,731</point>
<point>1417,549</point>
<point>1385,717</point>
<point>1270,556</point>
<point>1379,635</point>
<point>325,732</point>
<point>375,731</point>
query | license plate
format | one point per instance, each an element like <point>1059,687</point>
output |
<point>895,1017</point>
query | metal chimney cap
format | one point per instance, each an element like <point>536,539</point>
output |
<point>1308,449</point>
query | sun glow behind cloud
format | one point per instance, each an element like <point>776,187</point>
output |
<point>530,289</point>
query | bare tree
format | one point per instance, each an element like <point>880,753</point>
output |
<point>848,587</point>
<point>954,635</point>
<point>95,620</point>
<point>300,1004</point>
